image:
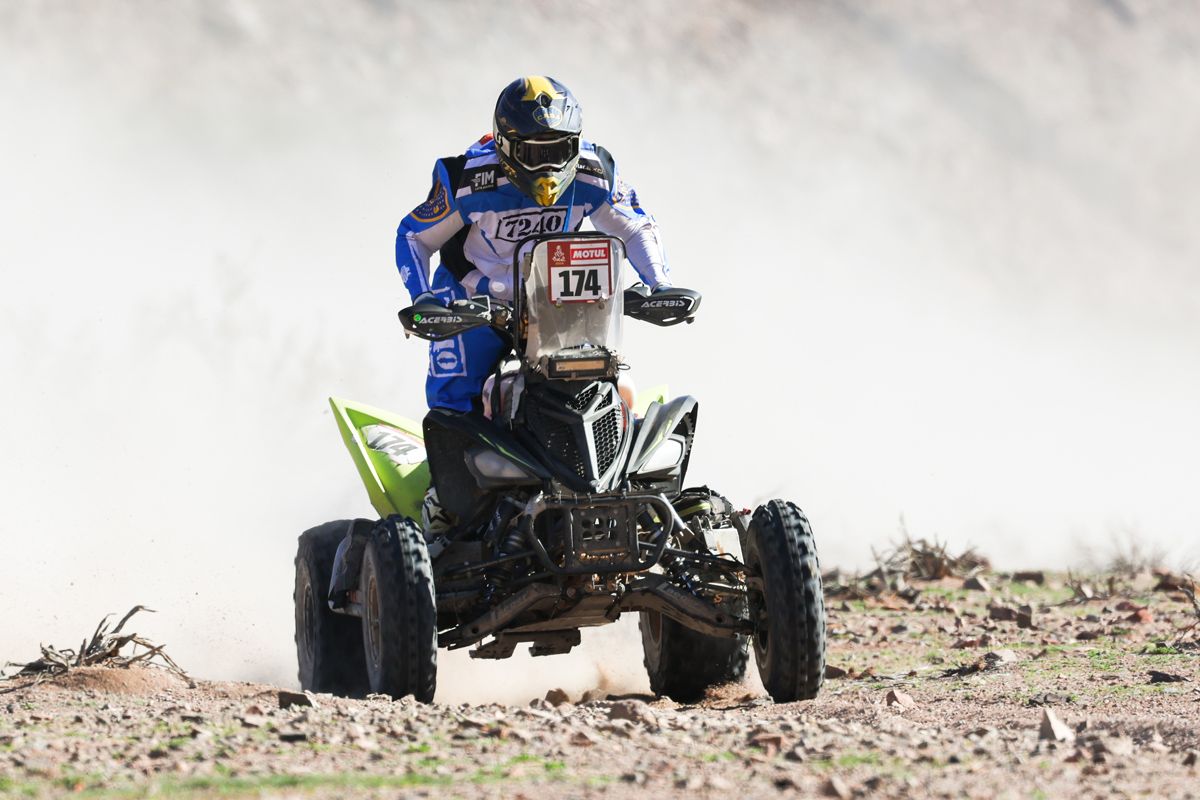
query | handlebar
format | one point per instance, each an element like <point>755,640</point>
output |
<point>435,322</point>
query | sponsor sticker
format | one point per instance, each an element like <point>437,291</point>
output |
<point>484,180</point>
<point>547,115</point>
<point>579,271</point>
<point>445,359</point>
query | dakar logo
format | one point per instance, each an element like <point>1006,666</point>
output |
<point>558,255</point>
<point>548,116</point>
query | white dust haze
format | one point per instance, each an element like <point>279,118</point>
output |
<point>949,256</point>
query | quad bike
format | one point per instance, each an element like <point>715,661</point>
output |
<point>559,508</point>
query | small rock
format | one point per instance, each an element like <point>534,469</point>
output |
<point>976,583</point>
<point>1002,613</point>
<point>898,698</point>
<point>556,697</point>
<point>594,696</point>
<point>769,743</point>
<point>998,657</point>
<point>1087,636</point>
<point>1190,758</point>
<point>581,738</point>
<point>1141,616</point>
<point>833,672</point>
<point>1025,617</point>
<point>1053,729</point>
<point>1167,677</point>
<point>634,711</point>
<point>836,787</point>
<point>288,699</point>
<point>1030,576</point>
<point>252,720</point>
<point>293,736</point>
<point>796,754</point>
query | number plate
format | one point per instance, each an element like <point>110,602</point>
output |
<point>580,271</point>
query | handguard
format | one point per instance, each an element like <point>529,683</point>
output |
<point>667,307</point>
<point>436,322</point>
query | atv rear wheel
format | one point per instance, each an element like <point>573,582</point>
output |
<point>329,646</point>
<point>399,624</point>
<point>683,663</point>
<point>786,602</point>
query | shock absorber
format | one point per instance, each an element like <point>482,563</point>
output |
<point>505,537</point>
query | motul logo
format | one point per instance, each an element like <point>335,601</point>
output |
<point>595,252</point>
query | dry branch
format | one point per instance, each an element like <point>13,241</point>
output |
<point>103,649</point>
<point>909,559</point>
<point>1188,587</point>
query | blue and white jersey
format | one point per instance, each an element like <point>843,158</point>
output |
<point>474,217</point>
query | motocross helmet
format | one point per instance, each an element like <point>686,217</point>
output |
<point>536,127</point>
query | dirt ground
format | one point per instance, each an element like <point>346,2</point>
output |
<point>1019,688</point>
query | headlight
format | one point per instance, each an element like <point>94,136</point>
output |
<point>490,464</point>
<point>667,455</point>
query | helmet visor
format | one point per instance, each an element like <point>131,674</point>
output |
<point>535,154</point>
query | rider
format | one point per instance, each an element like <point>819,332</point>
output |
<point>533,174</point>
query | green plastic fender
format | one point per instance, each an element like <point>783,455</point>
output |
<point>394,488</point>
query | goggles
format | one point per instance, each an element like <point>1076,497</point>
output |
<point>535,154</point>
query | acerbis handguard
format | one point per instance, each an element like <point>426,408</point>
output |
<point>436,322</point>
<point>666,307</point>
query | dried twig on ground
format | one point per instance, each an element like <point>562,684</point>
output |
<point>1188,587</point>
<point>103,649</point>
<point>925,559</point>
<point>909,559</point>
<point>1084,590</point>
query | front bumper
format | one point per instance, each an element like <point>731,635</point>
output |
<point>598,534</point>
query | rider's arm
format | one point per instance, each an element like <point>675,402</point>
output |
<point>621,216</point>
<point>424,231</point>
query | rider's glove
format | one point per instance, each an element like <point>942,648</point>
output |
<point>427,298</point>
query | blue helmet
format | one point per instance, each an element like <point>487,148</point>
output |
<point>536,127</point>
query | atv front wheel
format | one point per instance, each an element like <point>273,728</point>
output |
<point>329,646</point>
<point>399,624</point>
<point>786,602</point>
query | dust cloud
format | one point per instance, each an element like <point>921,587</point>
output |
<point>948,256</point>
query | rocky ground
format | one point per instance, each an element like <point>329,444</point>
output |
<point>991,686</point>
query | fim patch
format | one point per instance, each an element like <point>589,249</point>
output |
<point>436,206</point>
